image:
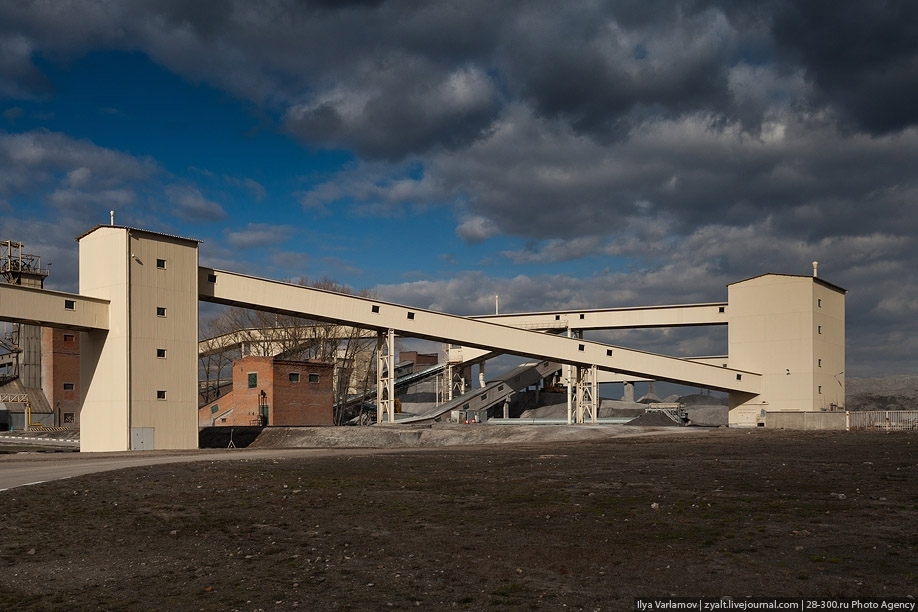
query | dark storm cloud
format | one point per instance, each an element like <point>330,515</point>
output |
<point>604,76</point>
<point>370,75</point>
<point>862,57</point>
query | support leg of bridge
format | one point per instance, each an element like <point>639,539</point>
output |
<point>385,376</point>
<point>587,398</point>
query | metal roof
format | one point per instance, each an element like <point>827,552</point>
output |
<point>137,229</point>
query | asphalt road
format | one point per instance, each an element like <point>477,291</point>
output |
<point>22,470</point>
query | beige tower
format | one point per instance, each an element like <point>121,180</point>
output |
<point>139,378</point>
<point>790,329</point>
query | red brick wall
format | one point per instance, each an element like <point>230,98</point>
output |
<point>246,400</point>
<point>61,349</point>
<point>418,359</point>
<point>301,402</point>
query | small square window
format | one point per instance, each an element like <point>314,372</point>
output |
<point>739,377</point>
<point>375,309</point>
<point>160,311</point>
<point>161,264</point>
<point>313,378</point>
<point>68,386</point>
<point>160,395</point>
<point>69,304</point>
<point>580,347</point>
<point>253,380</point>
<point>411,315</point>
<point>722,309</point>
<point>214,409</point>
<point>211,278</point>
<point>557,317</point>
<point>484,396</point>
<point>68,417</point>
<point>608,352</point>
<point>69,338</point>
<point>582,316</point>
<point>294,377</point>
<point>161,353</point>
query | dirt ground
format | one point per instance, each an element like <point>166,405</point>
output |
<point>572,525</point>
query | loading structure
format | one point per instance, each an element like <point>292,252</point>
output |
<point>137,310</point>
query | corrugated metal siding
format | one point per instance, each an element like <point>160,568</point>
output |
<point>175,289</point>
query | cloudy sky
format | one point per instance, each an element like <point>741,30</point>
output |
<point>561,155</point>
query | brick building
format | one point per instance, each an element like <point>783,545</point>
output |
<point>269,391</point>
<point>60,376</point>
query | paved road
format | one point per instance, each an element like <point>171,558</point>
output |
<point>18,470</point>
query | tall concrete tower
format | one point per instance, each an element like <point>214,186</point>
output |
<point>139,378</point>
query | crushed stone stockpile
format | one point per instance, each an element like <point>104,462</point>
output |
<point>434,436</point>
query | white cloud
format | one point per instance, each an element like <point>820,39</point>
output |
<point>258,235</point>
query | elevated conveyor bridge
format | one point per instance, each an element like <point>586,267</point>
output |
<point>389,319</point>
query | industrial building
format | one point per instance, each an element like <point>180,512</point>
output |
<point>269,391</point>
<point>136,312</point>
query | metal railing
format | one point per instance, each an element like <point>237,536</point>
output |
<point>882,420</point>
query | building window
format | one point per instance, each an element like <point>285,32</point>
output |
<point>68,417</point>
<point>69,338</point>
<point>313,378</point>
<point>819,329</point>
<point>161,395</point>
<point>819,302</point>
<point>294,377</point>
<point>68,386</point>
<point>161,264</point>
<point>160,311</point>
<point>608,352</point>
<point>253,380</point>
<point>211,278</point>
<point>375,309</point>
<point>580,347</point>
<point>820,389</point>
<point>721,309</point>
<point>69,304</point>
<point>411,315</point>
<point>214,409</point>
<point>161,353</point>
<point>819,362</point>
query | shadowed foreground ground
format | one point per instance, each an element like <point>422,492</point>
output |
<point>575,525</point>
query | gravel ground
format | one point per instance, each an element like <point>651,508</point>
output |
<point>537,523</point>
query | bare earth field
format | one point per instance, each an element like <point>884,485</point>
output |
<point>570,525</point>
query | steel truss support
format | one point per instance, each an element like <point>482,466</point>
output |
<point>569,382</point>
<point>587,395</point>
<point>385,376</point>
<point>456,380</point>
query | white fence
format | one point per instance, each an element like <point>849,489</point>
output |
<point>882,420</point>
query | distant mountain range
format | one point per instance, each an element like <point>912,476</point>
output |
<point>882,393</point>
